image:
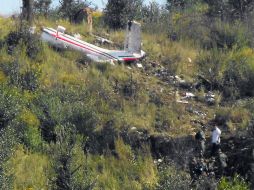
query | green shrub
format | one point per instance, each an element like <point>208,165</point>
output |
<point>171,178</point>
<point>8,140</point>
<point>229,35</point>
<point>29,170</point>
<point>211,65</point>
<point>238,76</point>
<point>10,105</point>
<point>237,183</point>
<point>235,117</point>
<point>32,42</point>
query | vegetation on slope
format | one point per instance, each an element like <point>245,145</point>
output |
<point>62,117</point>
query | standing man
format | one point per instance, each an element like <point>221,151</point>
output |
<point>216,132</point>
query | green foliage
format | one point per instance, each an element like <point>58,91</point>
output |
<point>237,183</point>
<point>42,6</point>
<point>211,65</point>
<point>154,16</point>
<point>231,72</point>
<point>124,171</point>
<point>8,141</point>
<point>69,8</point>
<point>30,124</point>
<point>55,104</point>
<point>232,9</point>
<point>171,178</point>
<point>229,35</point>
<point>29,170</point>
<point>118,12</point>
<point>238,76</point>
<point>235,118</point>
<point>32,42</point>
<point>69,160</point>
<point>10,105</point>
<point>65,106</point>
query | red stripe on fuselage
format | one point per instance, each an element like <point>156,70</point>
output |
<point>82,46</point>
<point>130,59</point>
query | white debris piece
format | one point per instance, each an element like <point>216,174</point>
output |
<point>190,95</point>
<point>189,59</point>
<point>182,101</point>
<point>78,36</point>
<point>210,98</point>
<point>61,29</point>
<point>179,79</point>
<point>102,40</point>
<point>139,65</point>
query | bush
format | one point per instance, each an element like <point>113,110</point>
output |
<point>171,178</point>
<point>31,132</point>
<point>8,141</point>
<point>227,35</point>
<point>238,79</point>
<point>69,8</point>
<point>10,106</point>
<point>237,183</point>
<point>32,42</point>
<point>235,118</point>
<point>211,65</point>
<point>118,12</point>
<point>29,170</point>
<point>24,78</point>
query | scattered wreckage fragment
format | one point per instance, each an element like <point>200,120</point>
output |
<point>132,49</point>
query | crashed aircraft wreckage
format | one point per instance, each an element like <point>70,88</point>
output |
<point>132,47</point>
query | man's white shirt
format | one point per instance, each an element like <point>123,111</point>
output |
<point>216,135</point>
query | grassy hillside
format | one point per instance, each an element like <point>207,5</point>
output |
<point>63,117</point>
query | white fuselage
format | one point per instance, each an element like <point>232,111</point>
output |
<point>61,40</point>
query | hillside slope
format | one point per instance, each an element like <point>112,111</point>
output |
<point>70,123</point>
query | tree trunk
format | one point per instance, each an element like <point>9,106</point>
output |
<point>27,11</point>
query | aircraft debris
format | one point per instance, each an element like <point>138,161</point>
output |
<point>78,36</point>
<point>102,40</point>
<point>139,65</point>
<point>210,98</point>
<point>132,48</point>
<point>178,98</point>
<point>190,109</point>
<point>188,95</point>
<point>179,79</point>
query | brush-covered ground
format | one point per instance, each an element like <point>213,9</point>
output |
<point>63,118</point>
